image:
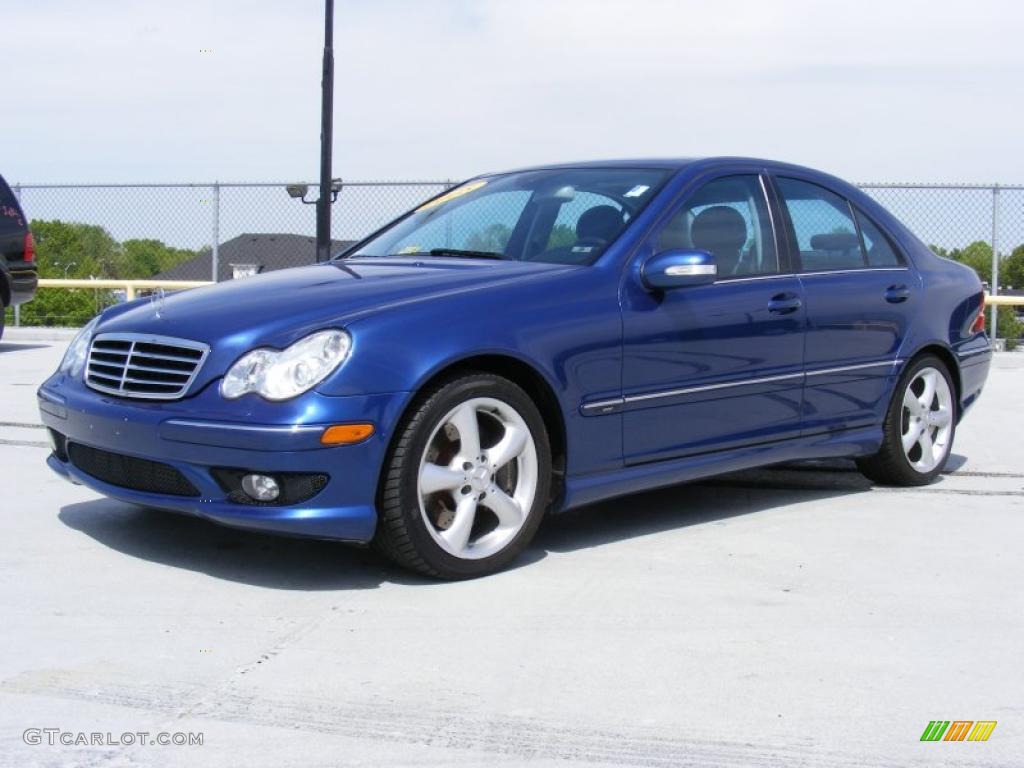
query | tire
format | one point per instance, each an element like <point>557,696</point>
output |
<point>3,319</point>
<point>453,506</point>
<point>923,404</point>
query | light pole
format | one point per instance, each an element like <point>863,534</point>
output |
<point>323,204</point>
<point>329,188</point>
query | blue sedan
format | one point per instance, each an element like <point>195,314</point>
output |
<point>525,343</point>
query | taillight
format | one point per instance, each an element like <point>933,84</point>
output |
<point>979,321</point>
<point>30,247</point>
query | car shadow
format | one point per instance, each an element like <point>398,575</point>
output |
<point>10,346</point>
<point>248,557</point>
<point>278,562</point>
<point>711,500</point>
<point>257,559</point>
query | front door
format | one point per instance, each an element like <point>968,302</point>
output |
<point>717,366</point>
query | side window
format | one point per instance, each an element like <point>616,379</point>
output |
<point>880,251</point>
<point>483,224</point>
<point>727,217</point>
<point>826,234</point>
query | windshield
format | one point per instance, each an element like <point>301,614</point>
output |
<point>559,216</point>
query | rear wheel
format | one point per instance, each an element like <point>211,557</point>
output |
<point>467,479</point>
<point>919,427</point>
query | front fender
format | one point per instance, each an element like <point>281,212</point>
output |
<point>576,346</point>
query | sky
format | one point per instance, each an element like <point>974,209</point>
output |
<point>148,91</point>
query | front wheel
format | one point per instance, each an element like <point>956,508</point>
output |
<point>466,481</point>
<point>919,427</point>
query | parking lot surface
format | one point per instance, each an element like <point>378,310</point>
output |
<point>793,616</point>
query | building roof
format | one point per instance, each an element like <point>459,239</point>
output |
<point>267,252</point>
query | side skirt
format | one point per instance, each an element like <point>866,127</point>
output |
<point>587,489</point>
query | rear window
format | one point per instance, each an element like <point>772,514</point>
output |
<point>11,217</point>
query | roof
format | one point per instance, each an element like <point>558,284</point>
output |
<point>667,163</point>
<point>267,251</point>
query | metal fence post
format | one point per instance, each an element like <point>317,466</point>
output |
<point>17,307</point>
<point>215,251</point>
<point>995,258</point>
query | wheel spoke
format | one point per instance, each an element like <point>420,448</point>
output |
<point>930,379</point>
<point>466,423</point>
<point>911,403</point>
<point>510,514</point>
<point>434,478</point>
<point>927,448</point>
<point>457,536</point>
<point>511,445</point>
<point>911,436</point>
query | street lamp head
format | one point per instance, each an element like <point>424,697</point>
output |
<point>297,190</point>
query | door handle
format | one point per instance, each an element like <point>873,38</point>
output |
<point>784,304</point>
<point>894,294</point>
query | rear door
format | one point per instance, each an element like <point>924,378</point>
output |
<point>717,366</point>
<point>860,295</point>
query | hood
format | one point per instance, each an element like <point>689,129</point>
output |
<point>276,308</point>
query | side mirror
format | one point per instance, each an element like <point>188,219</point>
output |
<point>678,268</point>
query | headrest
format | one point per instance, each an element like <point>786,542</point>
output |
<point>719,227</point>
<point>599,223</point>
<point>835,241</point>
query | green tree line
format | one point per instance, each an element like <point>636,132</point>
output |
<point>84,251</point>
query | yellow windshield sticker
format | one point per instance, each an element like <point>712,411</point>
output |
<point>409,249</point>
<point>465,189</point>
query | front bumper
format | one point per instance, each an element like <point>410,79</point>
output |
<point>205,432</point>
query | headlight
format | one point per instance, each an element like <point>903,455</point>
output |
<point>78,350</point>
<point>283,374</point>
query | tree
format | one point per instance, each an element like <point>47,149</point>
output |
<point>66,249</point>
<point>977,256</point>
<point>140,259</point>
<point>1011,269</point>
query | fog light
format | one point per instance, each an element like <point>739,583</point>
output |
<point>261,487</point>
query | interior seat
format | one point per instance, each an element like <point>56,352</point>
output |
<point>721,231</point>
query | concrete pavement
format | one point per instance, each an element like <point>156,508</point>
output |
<point>792,616</point>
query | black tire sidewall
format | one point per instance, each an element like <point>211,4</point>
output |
<point>440,404</point>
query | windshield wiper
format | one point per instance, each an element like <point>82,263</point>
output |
<point>467,254</point>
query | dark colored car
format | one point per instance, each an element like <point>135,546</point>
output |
<point>18,274</point>
<point>529,342</point>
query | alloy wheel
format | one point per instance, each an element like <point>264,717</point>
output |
<point>927,422</point>
<point>478,478</point>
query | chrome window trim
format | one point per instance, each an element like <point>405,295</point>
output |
<point>853,271</point>
<point>608,405</point>
<point>774,276</point>
<point>145,338</point>
<point>771,220</point>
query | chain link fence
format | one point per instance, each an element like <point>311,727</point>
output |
<point>225,230</point>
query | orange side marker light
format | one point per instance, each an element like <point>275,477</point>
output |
<point>346,434</point>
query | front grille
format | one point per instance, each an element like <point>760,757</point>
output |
<point>140,366</point>
<point>130,472</point>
